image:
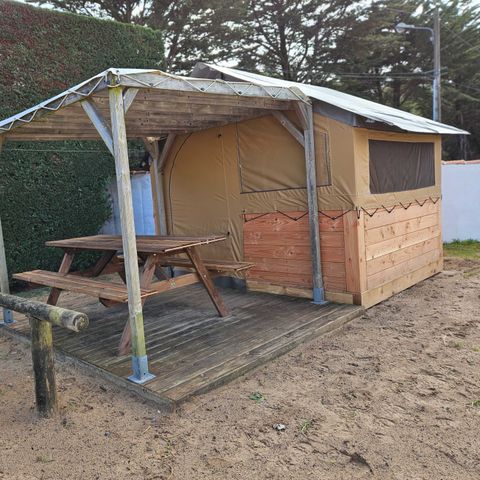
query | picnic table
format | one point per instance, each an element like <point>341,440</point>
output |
<point>154,252</point>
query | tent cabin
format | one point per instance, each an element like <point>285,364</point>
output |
<point>378,190</point>
<point>329,195</point>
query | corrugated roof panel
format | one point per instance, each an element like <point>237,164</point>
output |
<point>364,108</point>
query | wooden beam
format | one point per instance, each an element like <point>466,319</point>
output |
<point>159,167</point>
<point>293,130</point>
<point>305,114</point>
<point>166,150</point>
<point>128,97</point>
<point>355,254</point>
<point>4,286</point>
<point>302,115</point>
<point>99,122</point>
<point>152,147</point>
<point>139,353</point>
<point>156,171</point>
<point>152,100</point>
<point>61,317</point>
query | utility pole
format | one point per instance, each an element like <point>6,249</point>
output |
<point>437,106</point>
<point>435,39</point>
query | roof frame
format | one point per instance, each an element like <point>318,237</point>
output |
<point>171,89</point>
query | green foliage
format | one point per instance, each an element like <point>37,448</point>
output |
<point>44,52</point>
<point>57,190</point>
<point>462,248</point>
<point>47,196</point>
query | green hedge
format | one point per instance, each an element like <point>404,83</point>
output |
<point>57,190</point>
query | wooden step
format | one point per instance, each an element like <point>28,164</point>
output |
<point>213,265</point>
<point>116,292</point>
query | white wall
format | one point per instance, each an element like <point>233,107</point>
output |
<point>142,207</point>
<point>461,201</point>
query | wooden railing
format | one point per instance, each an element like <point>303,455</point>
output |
<point>42,316</point>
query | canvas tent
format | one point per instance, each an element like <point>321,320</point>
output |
<point>285,170</point>
<point>378,193</point>
<point>121,104</point>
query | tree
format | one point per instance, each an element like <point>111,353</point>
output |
<point>125,11</point>
<point>193,29</point>
<point>293,40</point>
<point>396,69</point>
<point>350,45</point>
<point>196,30</point>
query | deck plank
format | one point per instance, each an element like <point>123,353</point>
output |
<point>191,349</point>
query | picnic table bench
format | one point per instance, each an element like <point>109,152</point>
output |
<point>154,253</point>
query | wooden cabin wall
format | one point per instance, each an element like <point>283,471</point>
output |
<point>390,252</point>
<point>365,259</point>
<point>279,245</point>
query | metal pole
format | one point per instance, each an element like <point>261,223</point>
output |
<point>437,106</point>
<point>4,286</point>
<point>310,167</point>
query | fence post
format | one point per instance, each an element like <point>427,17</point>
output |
<point>42,316</point>
<point>43,367</point>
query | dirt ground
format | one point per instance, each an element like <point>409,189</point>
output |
<point>393,395</point>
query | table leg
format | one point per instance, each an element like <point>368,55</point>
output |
<point>207,281</point>
<point>102,262</point>
<point>64,268</point>
<point>145,281</point>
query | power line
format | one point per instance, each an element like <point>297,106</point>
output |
<point>455,34</point>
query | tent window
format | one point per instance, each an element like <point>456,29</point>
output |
<point>400,166</point>
<point>270,160</point>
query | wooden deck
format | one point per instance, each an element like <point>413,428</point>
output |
<point>191,349</point>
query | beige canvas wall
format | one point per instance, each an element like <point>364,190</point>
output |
<point>209,176</point>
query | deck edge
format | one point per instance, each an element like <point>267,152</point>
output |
<point>165,404</point>
<point>354,312</point>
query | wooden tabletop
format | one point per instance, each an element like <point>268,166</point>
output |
<point>145,243</point>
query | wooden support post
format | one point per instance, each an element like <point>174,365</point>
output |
<point>305,114</point>
<point>122,168</point>
<point>43,367</point>
<point>4,287</point>
<point>42,316</point>
<point>159,158</point>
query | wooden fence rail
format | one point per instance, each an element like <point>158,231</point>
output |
<point>42,317</point>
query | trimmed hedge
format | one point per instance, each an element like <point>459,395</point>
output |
<point>57,190</point>
<point>43,52</point>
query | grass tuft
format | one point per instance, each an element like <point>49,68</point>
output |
<point>463,248</point>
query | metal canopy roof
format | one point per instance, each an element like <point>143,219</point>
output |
<point>365,108</point>
<point>155,103</point>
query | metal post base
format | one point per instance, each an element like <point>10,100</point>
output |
<point>7,317</point>
<point>140,370</point>
<point>319,297</point>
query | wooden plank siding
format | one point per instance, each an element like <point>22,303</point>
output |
<point>402,248</point>
<point>279,246</point>
<point>365,259</point>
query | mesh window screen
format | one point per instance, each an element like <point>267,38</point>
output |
<point>399,166</point>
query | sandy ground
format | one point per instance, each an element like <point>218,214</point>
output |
<point>393,395</point>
